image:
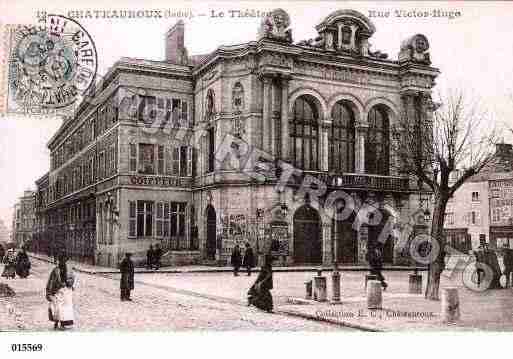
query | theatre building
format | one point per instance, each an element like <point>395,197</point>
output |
<point>194,152</point>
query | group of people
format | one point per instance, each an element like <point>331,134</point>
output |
<point>154,257</point>
<point>16,264</point>
<point>237,260</point>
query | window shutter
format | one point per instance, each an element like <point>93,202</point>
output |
<point>189,160</point>
<point>131,218</point>
<point>176,160</point>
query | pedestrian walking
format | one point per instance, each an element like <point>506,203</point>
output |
<point>22,264</point>
<point>236,260</point>
<point>259,294</point>
<point>157,257</point>
<point>10,264</point>
<point>249,258</point>
<point>375,259</point>
<point>59,294</point>
<point>127,277</point>
<point>150,257</point>
<point>508,264</point>
<point>2,253</point>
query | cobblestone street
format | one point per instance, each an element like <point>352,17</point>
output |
<point>155,307</point>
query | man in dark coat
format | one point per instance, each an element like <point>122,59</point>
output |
<point>508,264</point>
<point>158,256</point>
<point>375,259</point>
<point>249,259</point>
<point>236,260</point>
<point>127,277</point>
<point>150,257</point>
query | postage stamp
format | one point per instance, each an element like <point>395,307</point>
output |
<point>48,66</point>
<point>255,166</point>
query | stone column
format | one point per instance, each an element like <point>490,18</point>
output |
<point>324,145</point>
<point>285,119</point>
<point>266,114</point>
<point>361,132</point>
<point>274,115</point>
<point>326,244</point>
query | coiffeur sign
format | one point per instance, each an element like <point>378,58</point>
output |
<point>155,181</point>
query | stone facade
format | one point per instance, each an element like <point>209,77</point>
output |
<point>205,146</point>
<point>24,219</point>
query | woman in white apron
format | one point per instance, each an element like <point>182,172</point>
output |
<point>59,293</point>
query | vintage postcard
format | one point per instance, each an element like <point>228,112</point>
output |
<point>341,167</point>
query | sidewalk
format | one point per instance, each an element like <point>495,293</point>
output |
<point>91,269</point>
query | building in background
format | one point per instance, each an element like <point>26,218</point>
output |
<point>481,210</point>
<point>24,218</point>
<point>188,152</point>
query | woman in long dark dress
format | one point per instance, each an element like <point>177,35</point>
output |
<point>22,264</point>
<point>259,294</point>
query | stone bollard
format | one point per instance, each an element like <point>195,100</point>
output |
<point>308,287</point>
<point>335,282</point>
<point>374,298</point>
<point>450,305</point>
<point>320,290</point>
<point>415,283</point>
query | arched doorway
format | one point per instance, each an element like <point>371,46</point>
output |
<point>374,236</point>
<point>211,232</point>
<point>347,240</point>
<point>307,236</point>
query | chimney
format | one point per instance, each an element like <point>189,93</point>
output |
<point>176,52</point>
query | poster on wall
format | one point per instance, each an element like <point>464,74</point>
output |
<point>279,239</point>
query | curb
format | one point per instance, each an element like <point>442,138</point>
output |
<point>229,270</point>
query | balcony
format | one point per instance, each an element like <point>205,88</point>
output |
<point>356,181</point>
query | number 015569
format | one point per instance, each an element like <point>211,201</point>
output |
<point>27,347</point>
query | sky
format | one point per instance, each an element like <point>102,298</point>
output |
<point>473,51</point>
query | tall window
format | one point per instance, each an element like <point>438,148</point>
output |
<point>377,142</point>
<point>132,157</point>
<point>160,159</point>
<point>132,218</point>
<point>341,139</point>
<point>210,149</point>
<point>475,196</point>
<point>146,159</point>
<point>144,218</point>
<point>304,132</point>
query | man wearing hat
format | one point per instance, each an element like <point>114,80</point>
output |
<point>127,277</point>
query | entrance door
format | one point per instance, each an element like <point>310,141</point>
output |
<point>347,241</point>
<point>374,235</point>
<point>211,232</point>
<point>307,236</point>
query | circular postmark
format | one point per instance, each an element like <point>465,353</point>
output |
<point>51,64</point>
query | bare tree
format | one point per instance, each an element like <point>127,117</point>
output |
<point>433,140</point>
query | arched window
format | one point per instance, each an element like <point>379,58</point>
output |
<point>378,142</point>
<point>341,139</point>
<point>346,35</point>
<point>304,133</point>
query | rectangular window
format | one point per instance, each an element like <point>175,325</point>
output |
<point>175,110</point>
<point>184,114</point>
<point>132,157</point>
<point>183,161</point>
<point>146,159</point>
<point>144,218</point>
<point>449,217</point>
<point>132,219</point>
<point>160,159</point>
<point>475,196</point>
<point>159,219</point>
<point>175,161</point>
<point>210,149</point>
<point>101,165</point>
<point>166,219</point>
<point>147,109</point>
<point>473,217</point>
